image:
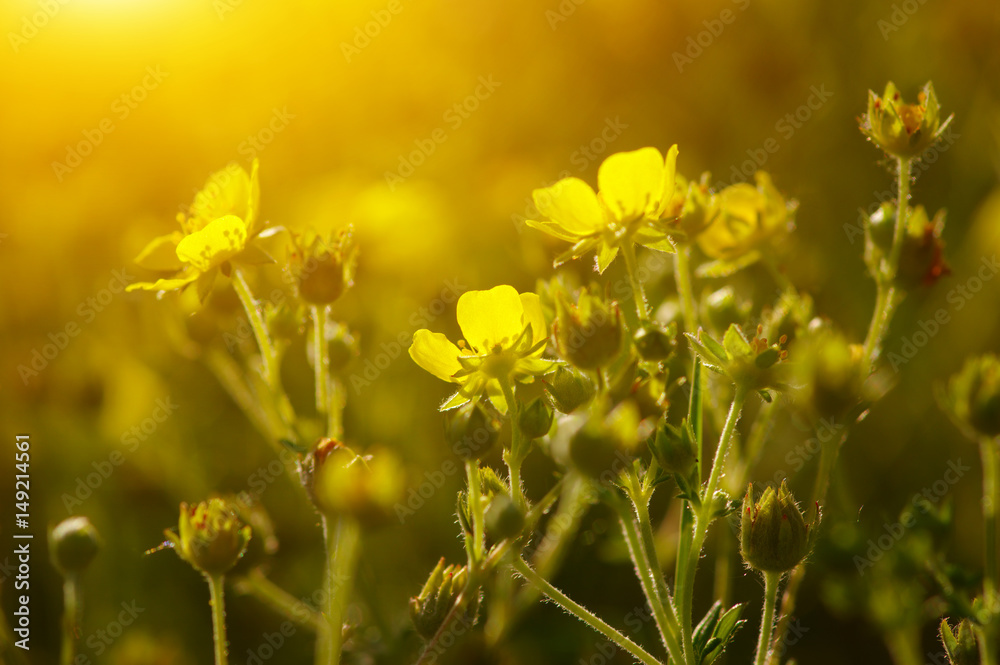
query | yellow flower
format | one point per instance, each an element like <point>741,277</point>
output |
<point>210,536</point>
<point>903,130</point>
<point>221,227</point>
<point>505,336</point>
<point>635,190</point>
<point>742,218</point>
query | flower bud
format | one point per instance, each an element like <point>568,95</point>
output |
<point>430,608</point>
<point>363,487</point>
<point>592,450</point>
<point>654,342</point>
<point>324,266</point>
<point>535,420</point>
<point>210,536</point>
<point>470,430</point>
<point>903,130</point>
<point>973,395</point>
<point>588,334</point>
<point>960,643</point>
<point>568,389</point>
<point>673,448</point>
<point>73,544</point>
<point>829,373</point>
<point>503,519</point>
<point>774,536</point>
<point>921,260</point>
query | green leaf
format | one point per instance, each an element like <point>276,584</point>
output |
<point>706,627</point>
<point>726,628</point>
<point>735,343</point>
<point>721,268</point>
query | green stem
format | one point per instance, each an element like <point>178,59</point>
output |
<point>478,520</point>
<point>885,306</point>
<point>582,613</point>
<point>268,354</point>
<point>771,580</point>
<point>321,360</point>
<point>990,452</point>
<point>71,611</point>
<point>682,276</point>
<point>902,208</point>
<point>518,447</point>
<point>651,581</point>
<point>703,518</point>
<point>256,584</point>
<point>341,554</point>
<point>628,252</point>
<point>216,588</point>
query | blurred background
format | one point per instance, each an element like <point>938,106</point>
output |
<point>427,125</point>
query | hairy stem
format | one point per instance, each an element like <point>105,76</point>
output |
<point>217,593</point>
<point>477,552</point>
<point>582,613</point>
<point>991,496</point>
<point>638,294</point>
<point>341,553</point>
<point>321,360</point>
<point>771,580</point>
<point>682,276</point>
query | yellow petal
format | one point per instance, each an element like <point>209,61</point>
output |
<point>631,183</point>
<point>216,243</point>
<point>669,178</point>
<point>253,202</point>
<point>534,317</point>
<point>163,284</point>
<point>227,192</point>
<point>161,253</point>
<point>488,318</point>
<point>436,354</point>
<point>572,204</point>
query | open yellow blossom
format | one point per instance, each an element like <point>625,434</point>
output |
<point>635,189</point>
<point>505,336</point>
<point>220,227</point>
<point>742,218</point>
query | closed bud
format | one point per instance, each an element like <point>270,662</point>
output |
<point>673,448</point>
<point>653,342</point>
<point>503,518</point>
<point>921,260</point>
<point>774,536</point>
<point>363,487</point>
<point>535,420</point>
<point>592,450</point>
<point>210,536</point>
<point>829,373</point>
<point>568,389</point>
<point>430,608</point>
<point>73,544</point>
<point>324,266</point>
<point>901,129</point>
<point>471,430</point>
<point>960,643</point>
<point>973,395</point>
<point>588,334</point>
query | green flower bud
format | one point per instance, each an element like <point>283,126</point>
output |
<point>73,544</point>
<point>365,488</point>
<point>654,342</point>
<point>210,536</point>
<point>829,373</point>
<point>774,536</point>
<point>430,608</point>
<point>724,309</point>
<point>673,448</point>
<point>973,395</point>
<point>903,130</point>
<point>535,420</point>
<point>471,431</point>
<point>324,266</point>
<point>568,389</point>
<point>592,450</point>
<point>921,261</point>
<point>503,519</point>
<point>960,643</point>
<point>588,334</point>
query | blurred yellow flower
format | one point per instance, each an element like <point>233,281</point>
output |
<point>505,336</point>
<point>220,227</point>
<point>742,218</point>
<point>635,189</point>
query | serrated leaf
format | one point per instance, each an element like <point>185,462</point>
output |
<point>726,628</point>
<point>706,627</point>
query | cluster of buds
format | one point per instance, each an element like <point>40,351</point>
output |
<point>774,535</point>
<point>210,536</point>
